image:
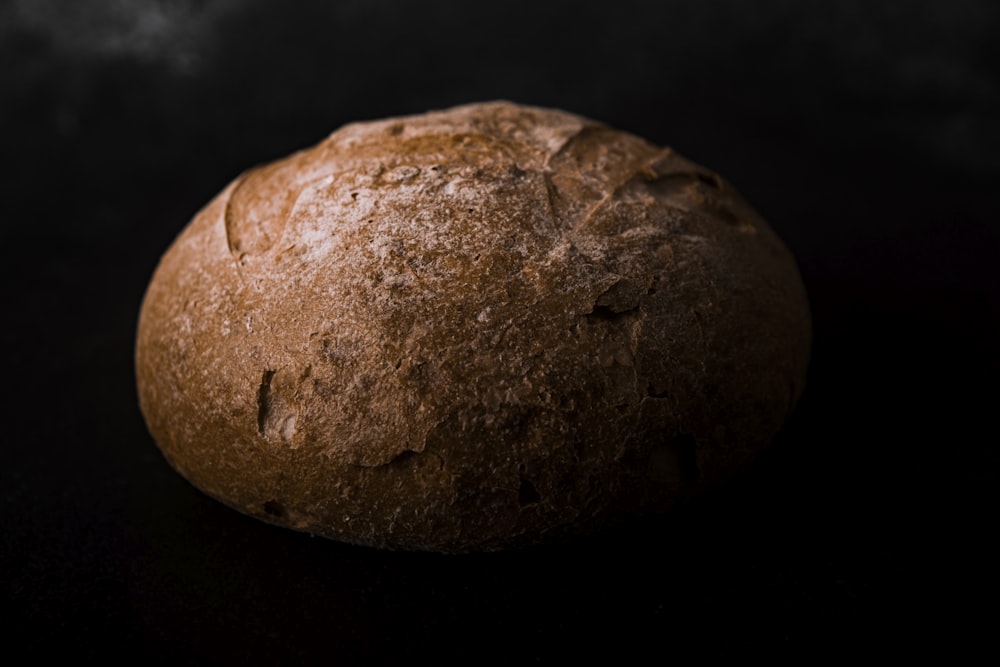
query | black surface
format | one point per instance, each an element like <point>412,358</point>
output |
<point>867,133</point>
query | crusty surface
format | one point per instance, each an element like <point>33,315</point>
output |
<point>470,329</point>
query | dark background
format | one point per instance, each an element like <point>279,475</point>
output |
<point>866,132</point>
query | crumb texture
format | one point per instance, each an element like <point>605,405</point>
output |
<point>468,330</point>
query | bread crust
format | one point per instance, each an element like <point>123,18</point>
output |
<point>468,330</point>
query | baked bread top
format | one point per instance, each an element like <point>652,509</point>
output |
<point>470,329</point>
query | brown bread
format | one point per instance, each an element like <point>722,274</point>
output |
<point>468,330</point>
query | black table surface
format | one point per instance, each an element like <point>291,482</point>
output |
<point>866,133</point>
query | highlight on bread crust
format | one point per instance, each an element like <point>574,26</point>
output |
<point>468,330</point>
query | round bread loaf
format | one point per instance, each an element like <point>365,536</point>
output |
<point>468,330</point>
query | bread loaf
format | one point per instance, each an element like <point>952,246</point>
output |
<point>469,330</point>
